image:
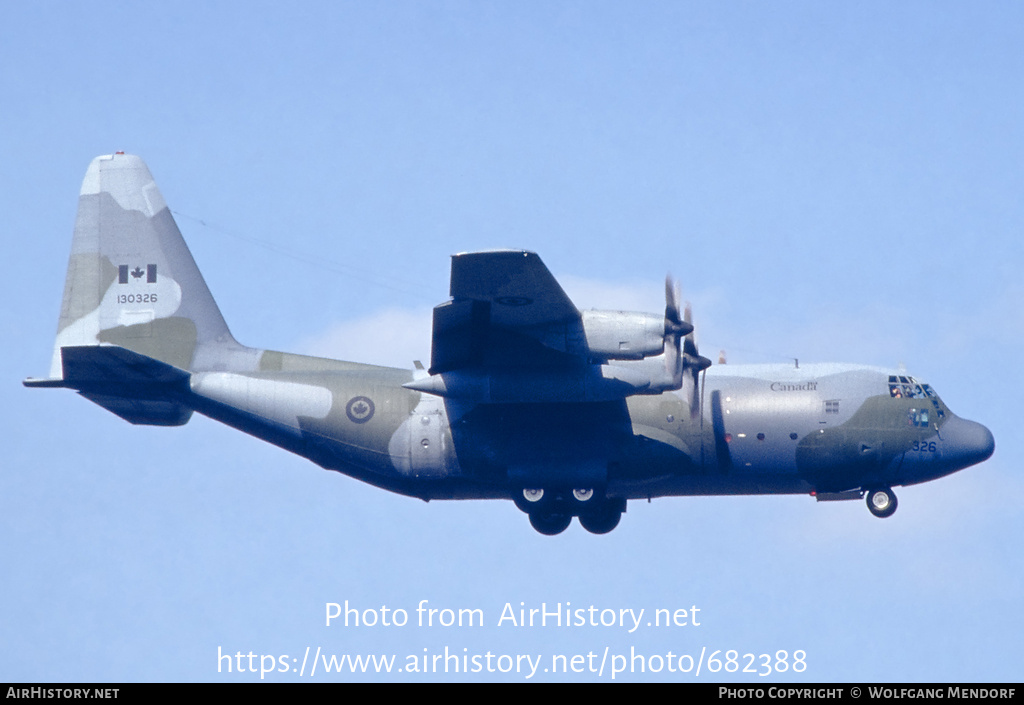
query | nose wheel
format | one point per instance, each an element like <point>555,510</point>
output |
<point>881,502</point>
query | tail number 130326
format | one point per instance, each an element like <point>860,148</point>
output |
<point>136,298</point>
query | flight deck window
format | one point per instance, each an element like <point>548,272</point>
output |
<point>930,394</point>
<point>918,417</point>
<point>901,387</point>
<point>895,388</point>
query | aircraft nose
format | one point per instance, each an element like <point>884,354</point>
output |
<point>967,442</point>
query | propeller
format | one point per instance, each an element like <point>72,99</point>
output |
<point>681,355</point>
<point>675,328</point>
<point>682,361</point>
<point>693,362</point>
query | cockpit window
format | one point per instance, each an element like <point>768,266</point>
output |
<point>904,387</point>
<point>901,387</point>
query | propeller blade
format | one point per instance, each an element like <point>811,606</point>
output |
<point>690,344</point>
<point>694,396</point>
<point>693,362</point>
<point>675,329</point>
<point>674,325</point>
<point>680,349</point>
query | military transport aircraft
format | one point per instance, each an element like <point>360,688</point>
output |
<point>567,413</point>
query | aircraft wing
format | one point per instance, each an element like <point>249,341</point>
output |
<point>511,335</point>
<point>506,310</point>
<point>517,284</point>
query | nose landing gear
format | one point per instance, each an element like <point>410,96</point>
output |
<point>881,502</point>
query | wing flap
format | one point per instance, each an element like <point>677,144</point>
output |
<point>460,337</point>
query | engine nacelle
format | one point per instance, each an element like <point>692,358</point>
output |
<point>623,335</point>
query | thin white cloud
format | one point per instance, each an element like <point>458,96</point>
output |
<point>394,337</point>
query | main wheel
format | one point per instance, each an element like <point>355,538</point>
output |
<point>550,524</point>
<point>881,502</point>
<point>602,521</point>
<point>583,495</point>
<point>603,515</point>
<point>531,499</point>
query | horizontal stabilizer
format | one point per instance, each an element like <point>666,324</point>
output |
<point>137,388</point>
<point>112,364</point>
<point>143,412</point>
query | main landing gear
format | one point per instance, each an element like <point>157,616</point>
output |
<point>551,511</point>
<point>881,502</point>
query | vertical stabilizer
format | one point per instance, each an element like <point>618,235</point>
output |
<point>131,280</point>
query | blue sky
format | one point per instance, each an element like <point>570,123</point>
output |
<point>833,182</point>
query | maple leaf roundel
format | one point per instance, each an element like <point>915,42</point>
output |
<point>359,409</point>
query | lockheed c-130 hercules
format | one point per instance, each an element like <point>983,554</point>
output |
<point>568,413</point>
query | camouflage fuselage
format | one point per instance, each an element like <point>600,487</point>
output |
<point>763,430</point>
<point>527,398</point>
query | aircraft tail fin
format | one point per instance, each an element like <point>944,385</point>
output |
<point>131,279</point>
<point>132,283</point>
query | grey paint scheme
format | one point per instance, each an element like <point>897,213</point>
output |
<point>502,409</point>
